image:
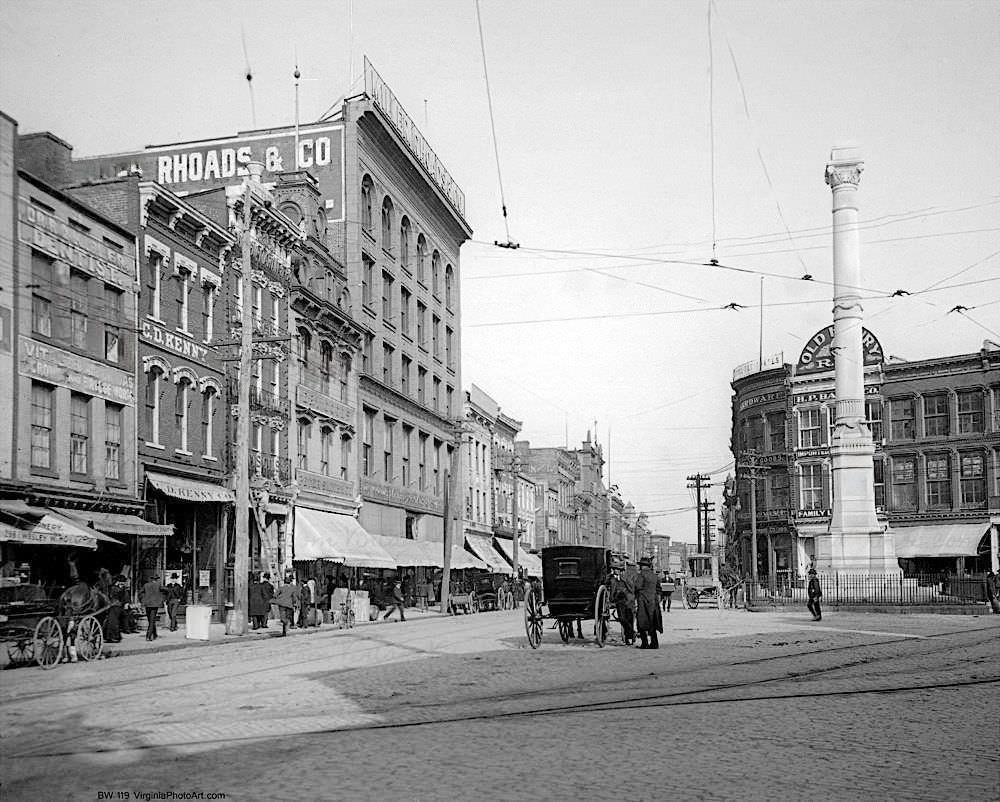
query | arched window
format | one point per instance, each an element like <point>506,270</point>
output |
<point>304,342</point>
<point>331,286</point>
<point>292,212</point>
<point>404,242</point>
<point>387,224</point>
<point>367,190</point>
<point>421,258</point>
<point>304,432</point>
<point>449,281</point>
<point>345,376</point>
<point>435,272</point>
<point>181,412</point>
<point>326,446</point>
<point>207,428</point>
<point>325,365</point>
<point>345,455</point>
<point>153,378</point>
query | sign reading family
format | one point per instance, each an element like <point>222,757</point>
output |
<point>817,355</point>
<point>194,166</point>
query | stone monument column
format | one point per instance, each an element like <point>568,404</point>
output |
<point>857,541</point>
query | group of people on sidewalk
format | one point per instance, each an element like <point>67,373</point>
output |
<point>640,599</point>
<point>290,597</point>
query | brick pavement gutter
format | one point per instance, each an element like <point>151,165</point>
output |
<point>135,644</point>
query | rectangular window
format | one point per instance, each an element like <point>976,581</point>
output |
<point>435,393</point>
<point>810,428</point>
<point>112,441</point>
<point>973,479</point>
<point>904,483</point>
<point>42,400</point>
<point>873,417</point>
<point>366,355</point>
<point>405,367</point>
<point>181,413</point>
<point>79,437</point>
<point>183,294</point>
<point>326,444</point>
<point>421,325</point>
<point>388,438</point>
<point>449,336</point>
<point>970,412</point>
<point>367,278</point>
<point>79,289</point>
<point>421,385</point>
<point>303,444</point>
<point>812,486</point>
<point>436,335</point>
<point>776,431</point>
<point>387,355</point>
<point>779,489</point>
<point>437,466</point>
<point>41,315</point>
<point>345,456</point>
<point>449,395</point>
<point>407,438</point>
<point>113,315</point>
<point>935,416</point>
<point>368,444</point>
<point>345,376</point>
<point>154,264</point>
<point>207,411</point>
<point>902,411</point>
<point>153,405</point>
<point>387,283</point>
<point>275,314</point>
<point>755,433</point>
<point>422,462</point>
<point>879,483</point>
<point>257,306</point>
<point>404,310</point>
<point>938,481</point>
<point>208,312</point>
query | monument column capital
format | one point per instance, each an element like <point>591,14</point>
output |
<point>845,167</point>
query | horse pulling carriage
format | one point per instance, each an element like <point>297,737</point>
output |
<point>576,584</point>
<point>38,628</point>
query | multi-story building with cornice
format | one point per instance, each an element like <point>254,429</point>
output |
<point>556,472</point>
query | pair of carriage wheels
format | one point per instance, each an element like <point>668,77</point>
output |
<point>50,641</point>
<point>534,618</point>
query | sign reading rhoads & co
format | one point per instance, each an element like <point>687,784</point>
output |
<point>817,355</point>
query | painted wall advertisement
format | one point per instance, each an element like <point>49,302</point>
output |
<point>55,366</point>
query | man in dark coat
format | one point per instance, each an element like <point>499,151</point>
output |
<point>258,606</point>
<point>113,623</point>
<point>289,598</point>
<point>647,609</point>
<point>175,595</point>
<point>395,602</point>
<point>623,597</point>
<point>268,592</point>
<point>815,593</point>
<point>151,597</point>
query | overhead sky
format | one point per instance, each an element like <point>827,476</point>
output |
<point>607,311</point>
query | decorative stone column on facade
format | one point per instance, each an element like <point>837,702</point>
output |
<point>857,541</point>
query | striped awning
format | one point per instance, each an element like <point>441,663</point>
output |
<point>482,547</point>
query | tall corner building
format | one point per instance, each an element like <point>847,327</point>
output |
<point>395,220</point>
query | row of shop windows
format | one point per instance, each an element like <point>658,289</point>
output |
<point>84,460</point>
<point>405,235</point>
<point>426,446</point>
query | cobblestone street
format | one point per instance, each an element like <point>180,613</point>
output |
<point>732,705</point>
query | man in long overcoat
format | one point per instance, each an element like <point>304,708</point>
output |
<point>259,606</point>
<point>289,598</point>
<point>647,609</point>
<point>623,598</point>
<point>152,597</point>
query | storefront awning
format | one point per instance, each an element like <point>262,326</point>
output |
<point>411,552</point>
<point>339,538</point>
<point>939,540</point>
<point>461,559</point>
<point>482,547</point>
<point>189,489</point>
<point>117,524</point>
<point>45,527</point>
<point>528,562</point>
<point>812,530</point>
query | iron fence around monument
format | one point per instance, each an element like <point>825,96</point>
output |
<point>842,588</point>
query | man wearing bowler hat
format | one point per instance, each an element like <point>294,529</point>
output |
<point>647,609</point>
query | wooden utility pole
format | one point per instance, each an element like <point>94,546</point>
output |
<point>699,481</point>
<point>515,467</point>
<point>750,468</point>
<point>448,538</point>
<point>706,508</point>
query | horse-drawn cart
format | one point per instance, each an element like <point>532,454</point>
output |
<point>575,581</point>
<point>45,630</point>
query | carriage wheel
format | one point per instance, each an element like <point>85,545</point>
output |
<point>565,630</point>
<point>533,619</point>
<point>89,639</point>
<point>692,599</point>
<point>48,642</point>
<point>21,649</point>
<point>602,614</point>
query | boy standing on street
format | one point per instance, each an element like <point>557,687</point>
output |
<point>815,593</point>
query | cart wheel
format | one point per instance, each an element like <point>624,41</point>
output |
<point>692,599</point>
<point>602,614</point>
<point>565,630</point>
<point>22,649</point>
<point>89,639</point>
<point>533,619</point>
<point>48,642</point>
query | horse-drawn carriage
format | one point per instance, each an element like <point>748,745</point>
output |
<point>36,627</point>
<point>489,589</point>
<point>576,583</point>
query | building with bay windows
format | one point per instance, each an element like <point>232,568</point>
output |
<point>936,468</point>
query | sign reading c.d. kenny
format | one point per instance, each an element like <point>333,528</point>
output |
<point>194,166</point>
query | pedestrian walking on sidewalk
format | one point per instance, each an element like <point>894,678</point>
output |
<point>289,598</point>
<point>623,596</point>
<point>396,602</point>
<point>151,597</point>
<point>993,591</point>
<point>175,595</point>
<point>268,593</point>
<point>647,609</point>
<point>258,605</point>
<point>815,594</point>
<point>667,587</point>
